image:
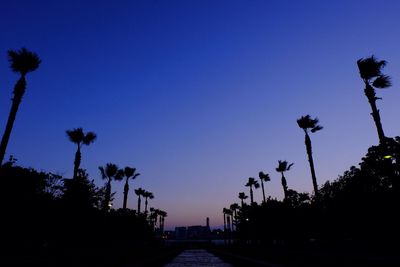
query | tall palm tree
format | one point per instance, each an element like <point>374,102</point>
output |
<point>234,208</point>
<point>242,196</point>
<point>370,72</point>
<point>139,192</point>
<point>307,123</point>
<point>147,195</point>
<point>110,172</point>
<point>128,173</point>
<point>23,62</point>
<point>283,166</point>
<point>250,183</point>
<point>162,215</point>
<point>264,177</point>
<point>78,137</point>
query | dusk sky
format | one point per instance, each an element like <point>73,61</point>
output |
<point>198,95</point>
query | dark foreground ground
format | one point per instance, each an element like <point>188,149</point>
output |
<point>157,254</point>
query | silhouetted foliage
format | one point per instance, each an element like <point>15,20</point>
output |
<point>21,61</point>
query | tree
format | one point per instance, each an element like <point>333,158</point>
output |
<point>370,72</point>
<point>307,123</point>
<point>128,173</point>
<point>242,196</point>
<point>139,192</point>
<point>78,137</point>
<point>110,172</point>
<point>283,166</point>
<point>162,215</point>
<point>250,183</point>
<point>23,62</point>
<point>234,208</point>
<point>264,177</point>
<point>147,195</point>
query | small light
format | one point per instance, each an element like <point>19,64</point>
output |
<point>388,157</point>
<point>247,219</point>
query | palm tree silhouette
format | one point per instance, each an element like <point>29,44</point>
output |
<point>306,123</point>
<point>234,208</point>
<point>162,215</point>
<point>22,61</point>
<point>370,72</point>
<point>242,196</point>
<point>78,137</point>
<point>128,173</point>
<point>264,177</point>
<point>147,195</point>
<point>283,166</point>
<point>250,183</point>
<point>110,172</point>
<point>139,192</point>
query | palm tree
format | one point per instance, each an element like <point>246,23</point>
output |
<point>234,208</point>
<point>264,177</point>
<point>22,61</point>
<point>283,166</point>
<point>110,172</point>
<point>242,196</point>
<point>128,173</point>
<point>78,137</point>
<point>162,215</point>
<point>139,192</point>
<point>250,183</point>
<point>370,72</point>
<point>147,195</point>
<point>306,123</point>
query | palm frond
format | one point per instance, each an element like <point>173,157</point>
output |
<point>370,67</point>
<point>383,81</point>
<point>317,128</point>
<point>76,135</point>
<point>89,138</point>
<point>23,61</point>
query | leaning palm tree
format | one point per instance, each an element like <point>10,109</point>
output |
<point>78,137</point>
<point>128,173</point>
<point>264,177</point>
<point>307,123</point>
<point>242,196</point>
<point>283,166</point>
<point>22,61</point>
<point>370,72</point>
<point>147,195</point>
<point>110,172</point>
<point>250,183</point>
<point>139,192</point>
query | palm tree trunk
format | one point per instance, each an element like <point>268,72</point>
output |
<point>107,198</point>
<point>145,206</point>
<point>77,161</point>
<point>311,161</point>
<point>262,187</point>
<point>224,228</point>
<point>242,202</point>
<point>284,185</point>
<point>126,190</point>
<point>251,195</point>
<point>139,204</point>
<point>370,93</point>
<point>19,90</point>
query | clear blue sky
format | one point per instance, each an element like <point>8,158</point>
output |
<point>198,95</point>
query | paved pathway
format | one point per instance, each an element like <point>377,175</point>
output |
<point>197,257</point>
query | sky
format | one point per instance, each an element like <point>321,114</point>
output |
<point>198,95</point>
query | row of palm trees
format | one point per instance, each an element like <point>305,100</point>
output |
<point>370,70</point>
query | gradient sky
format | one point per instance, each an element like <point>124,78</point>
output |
<point>198,95</point>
